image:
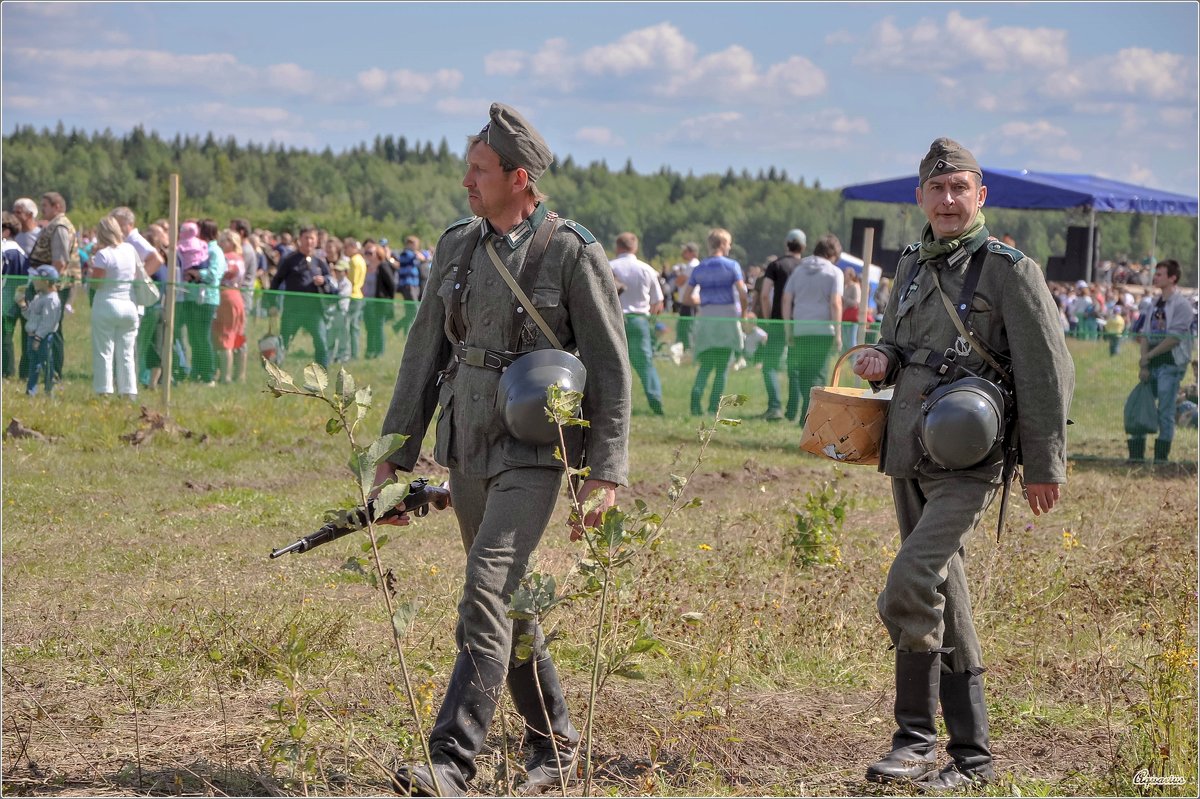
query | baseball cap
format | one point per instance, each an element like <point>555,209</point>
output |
<point>797,235</point>
<point>45,272</point>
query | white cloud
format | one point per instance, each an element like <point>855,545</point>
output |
<point>959,42</point>
<point>660,61</point>
<point>1037,139</point>
<point>505,63</point>
<point>373,80</point>
<point>662,46</point>
<point>290,78</point>
<point>1161,76</point>
<point>830,129</point>
<point>602,137</point>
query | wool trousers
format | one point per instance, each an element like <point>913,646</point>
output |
<point>925,603</point>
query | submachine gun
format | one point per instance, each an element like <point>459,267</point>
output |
<point>420,496</point>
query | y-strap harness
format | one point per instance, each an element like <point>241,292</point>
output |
<point>945,364</point>
<point>456,325</point>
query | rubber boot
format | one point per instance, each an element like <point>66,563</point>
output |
<point>1162,450</point>
<point>1137,450</point>
<point>460,730</point>
<point>965,714</point>
<point>551,741</point>
<point>914,744</point>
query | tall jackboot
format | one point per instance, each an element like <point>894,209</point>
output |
<point>551,741</point>
<point>460,730</point>
<point>965,714</point>
<point>914,744</point>
<point>1162,450</point>
<point>1137,450</point>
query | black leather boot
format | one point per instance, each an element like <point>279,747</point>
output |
<point>914,744</point>
<point>460,730</point>
<point>551,741</point>
<point>965,713</point>
<point>1162,450</point>
<point>1137,450</point>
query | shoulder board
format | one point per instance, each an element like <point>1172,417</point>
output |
<point>464,221</point>
<point>1011,253</point>
<point>911,249</point>
<point>579,230</point>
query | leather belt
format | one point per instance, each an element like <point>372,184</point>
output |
<point>485,359</point>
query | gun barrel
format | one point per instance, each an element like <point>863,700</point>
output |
<point>420,496</point>
<point>297,546</point>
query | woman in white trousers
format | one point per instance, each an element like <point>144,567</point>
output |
<point>114,314</point>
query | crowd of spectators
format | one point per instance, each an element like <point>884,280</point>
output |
<point>309,281</point>
<point>343,294</point>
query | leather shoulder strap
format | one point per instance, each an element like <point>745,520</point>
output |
<point>529,275</point>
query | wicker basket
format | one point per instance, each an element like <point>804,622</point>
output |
<point>845,424</point>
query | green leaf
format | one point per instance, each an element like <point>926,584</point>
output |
<point>345,386</point>
<point>383,447</point>
<point>647,645</point>
<point>276,376</point>
<point>524,652</point>
<point>316,379</point>
<point>333,426</point>
<point>403,618</point>
<point>630,671</point>
<point>298,729</point>
<point>362,402</point>
<point>391,495</point>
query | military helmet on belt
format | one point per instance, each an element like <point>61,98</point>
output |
<point>521,397</point>
<point>962,422</point>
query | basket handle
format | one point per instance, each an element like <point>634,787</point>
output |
<point>837,369</point>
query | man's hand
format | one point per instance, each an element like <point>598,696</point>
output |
<point>871,365</point>
<point>318,280</point>
<point>1144,374</point>
<point>1042,497</point>
<point>608,498</point>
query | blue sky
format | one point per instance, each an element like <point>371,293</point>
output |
<point>837,92</point>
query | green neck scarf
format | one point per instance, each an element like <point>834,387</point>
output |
<point>936,248</point>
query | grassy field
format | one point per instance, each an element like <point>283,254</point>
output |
<point>150,646</point>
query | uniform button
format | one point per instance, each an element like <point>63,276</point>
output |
<point>475,397</point>
<point>520,309</point>
<point>487,321</point>
<point>491,282</point>
<point>903,404</point>
<point>924,338</point>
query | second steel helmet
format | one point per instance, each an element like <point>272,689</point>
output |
<point>521,396</point>
<point>962,422</point>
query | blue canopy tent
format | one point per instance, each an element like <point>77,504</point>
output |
<point>1023,189</point>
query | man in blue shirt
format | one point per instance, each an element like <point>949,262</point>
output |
<point>408,283</point>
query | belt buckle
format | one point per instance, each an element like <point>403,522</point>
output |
<point>474,356</point>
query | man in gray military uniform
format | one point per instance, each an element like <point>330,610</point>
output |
<point>957,277</point>
<point>469,329</point>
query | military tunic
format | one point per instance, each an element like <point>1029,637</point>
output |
<point>925,604</point>
<point>504,490</point>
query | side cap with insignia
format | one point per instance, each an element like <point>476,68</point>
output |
<point>579,230</point>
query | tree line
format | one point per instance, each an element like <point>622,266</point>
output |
<point>393,187</point>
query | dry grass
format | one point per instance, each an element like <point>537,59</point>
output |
<point>144,629</point>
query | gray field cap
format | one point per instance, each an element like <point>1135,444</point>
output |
<point>946,156</point>
<point>516,141</point>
